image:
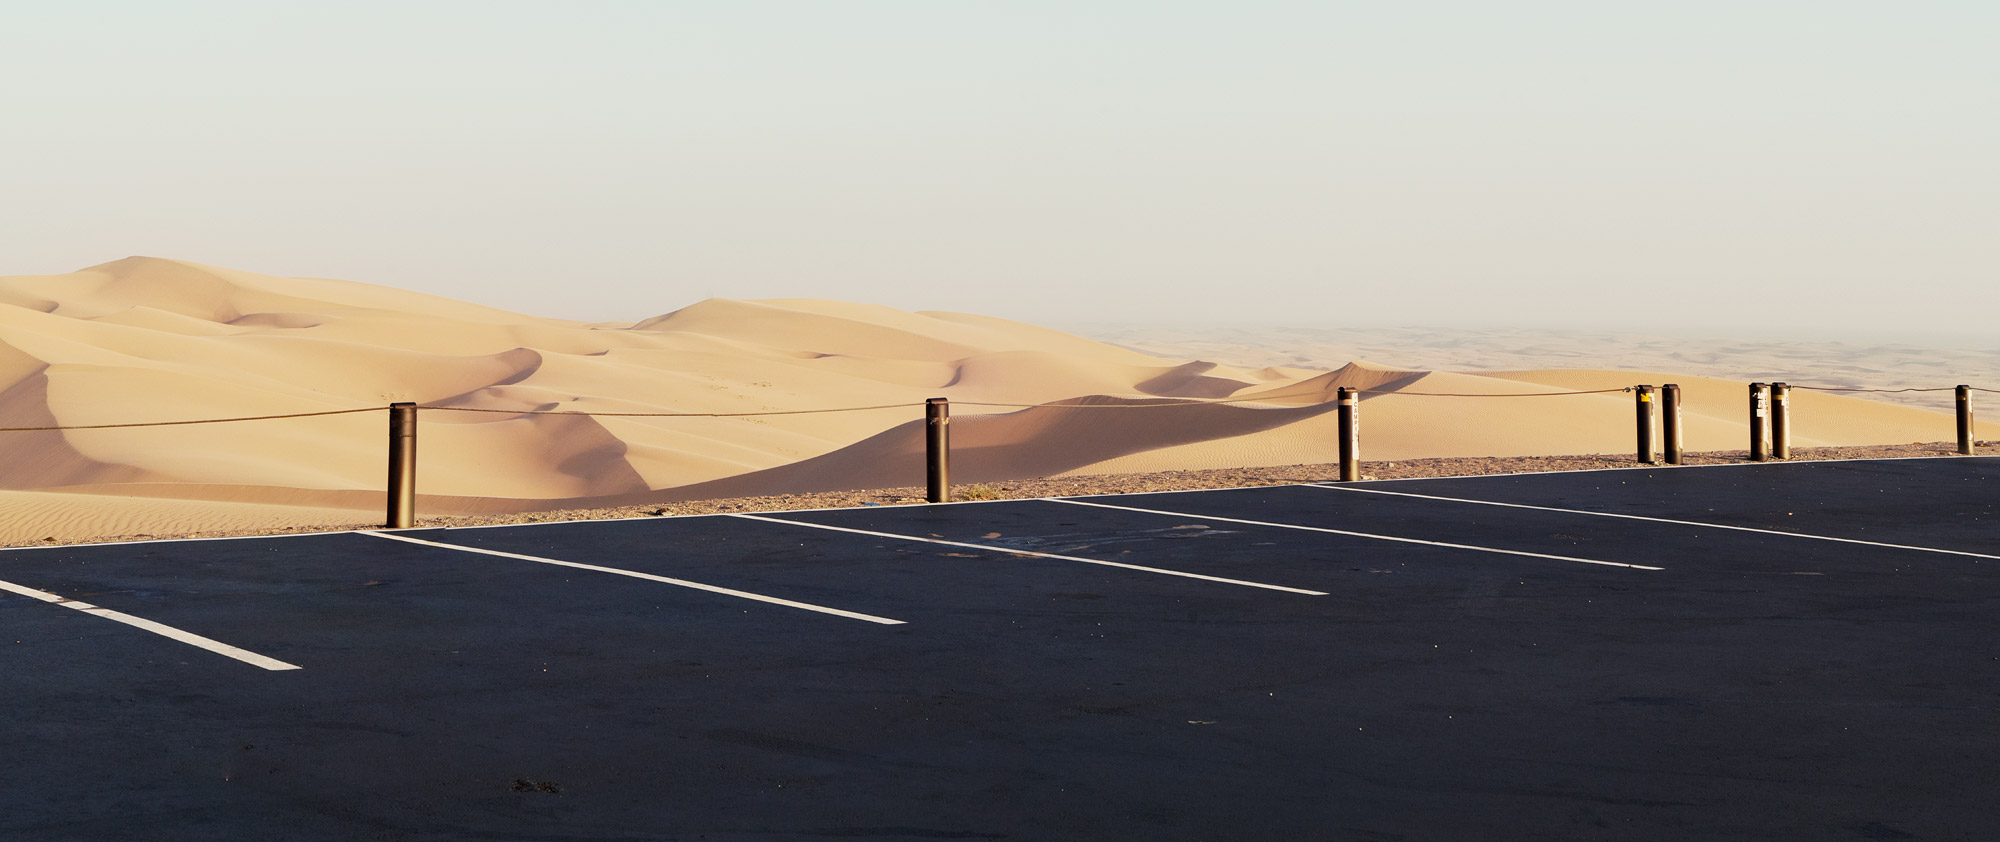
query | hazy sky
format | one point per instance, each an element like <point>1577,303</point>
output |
<point>1804,165</point>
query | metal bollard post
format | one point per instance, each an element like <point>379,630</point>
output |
<point>1781,421</point>
<point>1964,420</point>
<point>1670,398</point>
<point>402,465</point>
<point>937,449</point>
<point>1759,408</point>
<point>1350,434</point>
<point>1647,449</point>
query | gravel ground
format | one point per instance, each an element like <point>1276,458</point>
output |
<point>1113,484</point>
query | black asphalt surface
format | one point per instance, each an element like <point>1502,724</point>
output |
<point>1758,686</point>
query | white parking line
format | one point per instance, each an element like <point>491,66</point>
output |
<point>1351,533</point>
<point>189,638</point>
<point>807,606</point>
<point>1660,520</point>
<point>1011,551</point>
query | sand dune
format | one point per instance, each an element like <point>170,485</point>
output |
<point>1858,361</point>
<point>149,340</point>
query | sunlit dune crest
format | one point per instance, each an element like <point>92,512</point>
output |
<point>147,339</point>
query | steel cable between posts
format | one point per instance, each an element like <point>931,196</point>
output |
<point>1506,395</point>
<point>1267,398</point>
<point>184,423</point>
<point>764,413</point>
<point>1152,402</point>
<point>1857,389</point>
<point>666,414</point>
<point>1155,402</point>
<point>1890,391</point>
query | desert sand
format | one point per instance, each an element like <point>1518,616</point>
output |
<point>1906,360</point>
<point>144,340</point>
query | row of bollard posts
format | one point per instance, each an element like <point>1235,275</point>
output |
<point>1662,416</point>
<point>937,443</point>
<point>402,507</point>
<point>1770,421</point>
<point>1770,437</point>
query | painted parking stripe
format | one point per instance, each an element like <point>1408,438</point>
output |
<point>1354,534</point>
<point>715,589</point>
<point>161,629</point>
<point>1660,520</point>
<point>1011,551</point>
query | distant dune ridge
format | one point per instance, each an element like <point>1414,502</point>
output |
<point>148,339</point>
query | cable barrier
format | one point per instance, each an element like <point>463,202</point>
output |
<point>1657,424</point>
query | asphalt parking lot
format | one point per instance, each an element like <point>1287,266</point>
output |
<point>1775,651</point>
